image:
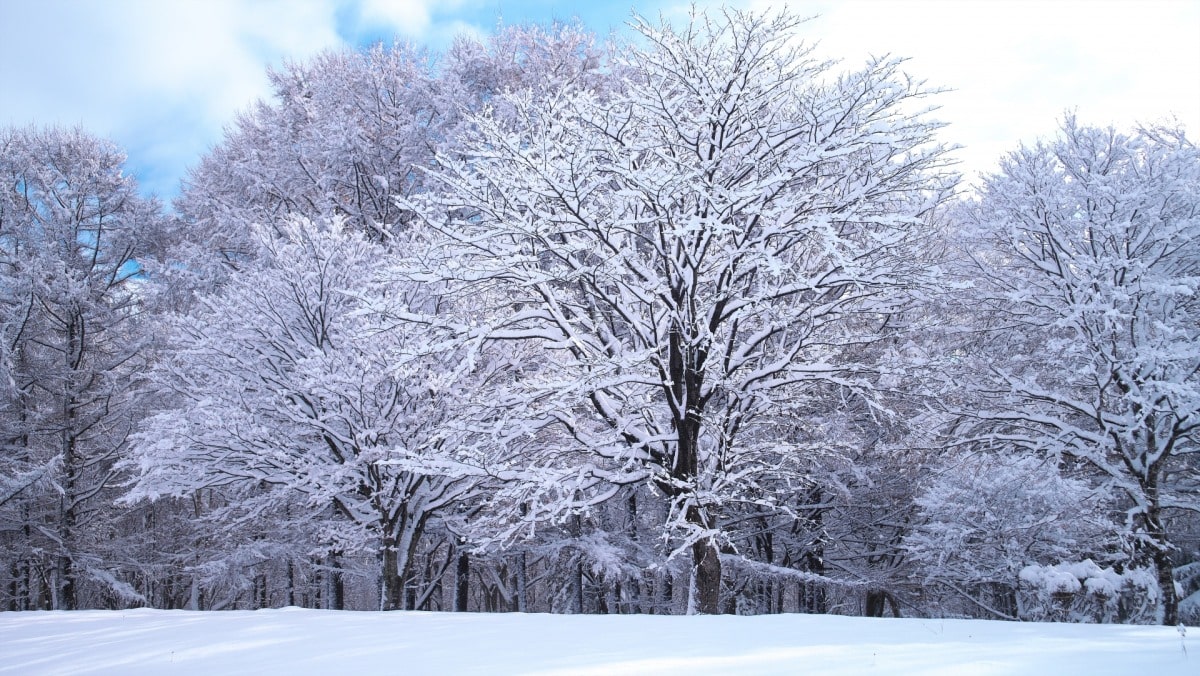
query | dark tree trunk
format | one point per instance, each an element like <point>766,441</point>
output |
<point>392,592</point>
<point>65,598</point>
<point>578,575</point>
<point>337,582</point>
<point>813,593</point>
<point>66,593</point>
<point>260,592</point>
<point>522,584</point>
<point>686,364</point>
<point>877,601</point>
<point>291,584</point>
<point>13,590</point>
<point>668,593</point>
<point>706,579</point>
<point>462,579</point>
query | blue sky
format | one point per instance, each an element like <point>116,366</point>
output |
<point>163,77</point>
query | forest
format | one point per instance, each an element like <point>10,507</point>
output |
<point>689,321</point>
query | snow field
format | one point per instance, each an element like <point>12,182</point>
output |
<point>295,641</point>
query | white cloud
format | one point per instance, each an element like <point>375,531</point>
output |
<point>431,23</point>
<point>1017,65</point>
<point>408,17</point>
<point>162,78</point>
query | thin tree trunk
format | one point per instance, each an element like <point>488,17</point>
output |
<point>337,584</point>
<point>579,588</point>
<point>462,581</point>
<point>522,584</point>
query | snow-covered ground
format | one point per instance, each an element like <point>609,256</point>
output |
<point>293,641</point>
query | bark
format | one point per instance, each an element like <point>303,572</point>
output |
<point>706,579</point>
<point>399,551</point>
<point>877,601</point>
<point>392,593</point>
<point>522,584</point>
<point>578,588</point>
<point>337,583</point>
<point>462,579</point>
<point>1156,549</point>
<point>1160,558</point>
<point>290,592</point>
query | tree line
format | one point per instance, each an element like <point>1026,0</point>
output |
<point>689,322</point>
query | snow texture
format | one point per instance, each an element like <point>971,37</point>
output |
<point>294,641</point>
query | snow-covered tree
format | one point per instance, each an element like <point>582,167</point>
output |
<point>1087,249</point>
<point>71,225</point>
<point>341,136</point>
<point>702,251</point>
<point>313,391</point>
<point>477,72</point>
<point>348,131</point>
<point>983,519</point>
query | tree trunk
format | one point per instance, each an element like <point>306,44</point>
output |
<point>812,594</point>
<point>686,366</point>
<point>392,587</point>
<point>1155,550</point>
<point>667,593</point>
<point>1160,558</point>
<point>336,583</point>
<point>14,594</point>
<point>194,601</point>
<point>522,584</point>
<point>878,600</point>
<point>635,586</point>
<point>66,593</point>
<point>578,588</point>
<point>290,595</point>
<point>462,579</point>
<point>705,590</point>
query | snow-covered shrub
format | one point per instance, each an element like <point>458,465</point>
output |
<point>1084,591</point>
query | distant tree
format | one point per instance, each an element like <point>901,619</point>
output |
<point>348,131</point>
<point>1087,262</point>
<point>71,228</point>
<point>341,136</point>
<point>984,518</point>
<point>701,251</point>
